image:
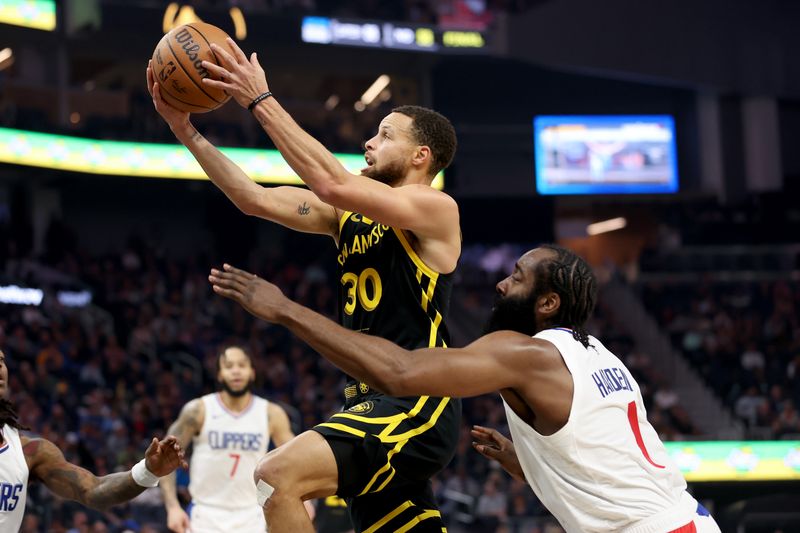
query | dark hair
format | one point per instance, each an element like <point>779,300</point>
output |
<point>8,415</point>
<point>225,347</point>
<point>569,276</point>
<point>433,130</point>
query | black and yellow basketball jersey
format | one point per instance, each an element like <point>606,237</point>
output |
<point>387,448</point>
<point>385,288</point>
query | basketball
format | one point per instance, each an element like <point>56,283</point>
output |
<point>177,67</point>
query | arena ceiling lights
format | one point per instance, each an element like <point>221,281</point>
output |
<point>146,160</point>
<point>37,14</point>
<point>176,15</point>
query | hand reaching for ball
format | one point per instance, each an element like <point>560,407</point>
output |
<point>175,118</point>
<point>242,78</point>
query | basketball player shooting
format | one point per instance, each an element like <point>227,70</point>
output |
<point>229,431</point>
<point>581,438</point>
<point>399,241</point>
<point>24,459</point>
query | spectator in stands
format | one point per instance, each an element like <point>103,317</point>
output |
<point>492,509</point>
<point>747,406</point>
<point>788,421</point>
<point>752,357</point>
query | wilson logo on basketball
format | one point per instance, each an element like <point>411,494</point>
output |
<point>184,38</point>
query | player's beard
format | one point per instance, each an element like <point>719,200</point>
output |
<point>236,393</point>
<point>391,173</point>
<point>515,313</point>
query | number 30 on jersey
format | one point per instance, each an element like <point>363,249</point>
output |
<point>364,289</point>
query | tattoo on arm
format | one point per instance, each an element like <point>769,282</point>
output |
<point>189,422</point>
<point>31,448</point>
<point>76,483</point>
<point>303,209</point>
<point>82,486</point>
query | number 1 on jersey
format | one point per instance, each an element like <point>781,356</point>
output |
<point>235,457</point>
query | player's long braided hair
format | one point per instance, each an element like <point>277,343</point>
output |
<point>8,415</point>
<point>569,276</point>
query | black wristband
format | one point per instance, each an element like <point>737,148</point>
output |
<point>257,99</point>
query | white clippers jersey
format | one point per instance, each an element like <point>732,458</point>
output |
<point>606,469</point>
<point>225,453</point>
<point>13,481</point>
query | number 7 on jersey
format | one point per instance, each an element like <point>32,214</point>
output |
<point>236,457</point>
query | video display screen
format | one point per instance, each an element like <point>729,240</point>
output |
<point>605,154</point>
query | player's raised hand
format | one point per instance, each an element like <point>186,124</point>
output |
<point>493,445</point>
<point>164,456</point>
<point>174,117</point>
<point>242,78</point>
<point>259,297</point>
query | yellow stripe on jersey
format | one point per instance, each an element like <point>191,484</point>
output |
<point>434,328</point>
<point>421,429</point>
<point>385,520</point>
<point>427,296</point>
<point>428,271</point>
<point>384,468</point>
<point>385,436</point>
<point>430,513</point>
<point>368,420</point>
<point>411,414</point>
<point>393,421</point>
<point>343,219</point>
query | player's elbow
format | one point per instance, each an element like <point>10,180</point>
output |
<point>397,382</point>
<point>96,504</point>
<point>327,191</point>
<point>252,205</point>
<point>247,207</point>
<point>330,185</point>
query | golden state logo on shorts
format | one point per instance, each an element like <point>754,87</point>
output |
<point>362,408</point>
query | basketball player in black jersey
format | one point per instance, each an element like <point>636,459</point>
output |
<point>399,242</point>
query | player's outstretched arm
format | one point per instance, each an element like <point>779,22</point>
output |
<point>293,207</point>
<point>47,464</point>
<point>499,360</point>
<point>425,211</point>
<point>186,426</point>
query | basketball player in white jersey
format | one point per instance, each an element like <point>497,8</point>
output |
<point>24,459</point>
<point>229,432</point>
<point>581,436</point>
